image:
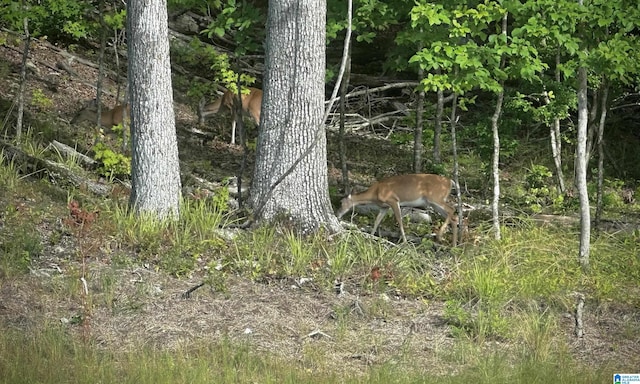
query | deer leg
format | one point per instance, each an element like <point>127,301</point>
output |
<point>233,132</point>
<point>450,218</point>
<point>398,213</point>
<point>442,229</point>
<point>383,211</point>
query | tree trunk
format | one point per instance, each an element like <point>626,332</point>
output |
<point>495,168</point>
<point>437,127</point>
<point>556,138</point>
<point>581,170</point>
<point>456,167</point>
<point>103,47</point>
<point>290,179</point>
<point>417,140</point>
<point>591,124</point>
<point>23,76</point>
<point>600,144</point>
<point>417,137</point>
<point>155,169</point>
<point>343,109</point>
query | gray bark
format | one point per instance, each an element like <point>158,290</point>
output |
<point>600,145</point>
<point>417,140</point>
<point>556,138</point>
<point>292,132</point>
<point>495,168</point>
<point>495,164</point>
<point>154,162</point>
<point>23,76</point>
<point>342,145</point>
<point>456,167</point>
<point>437,127</point>
<point>581,170</point>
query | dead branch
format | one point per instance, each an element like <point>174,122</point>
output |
<point>59,174</point>
<point>71,153</point>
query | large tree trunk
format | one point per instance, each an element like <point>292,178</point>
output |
<point>290,180</point>
<point>155,169</point>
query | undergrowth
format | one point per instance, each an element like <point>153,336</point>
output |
<point>508,292</point>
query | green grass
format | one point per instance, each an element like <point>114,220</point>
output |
<point>504,298</point>
<point>53,356</point>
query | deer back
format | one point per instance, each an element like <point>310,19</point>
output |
<point>108,117</point>
<point>251,104</point>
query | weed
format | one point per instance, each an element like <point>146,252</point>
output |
<point>40,100</point>
<point>112,164</point>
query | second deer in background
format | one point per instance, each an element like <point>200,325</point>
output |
<point>108,117</point>
<point>251,105</point>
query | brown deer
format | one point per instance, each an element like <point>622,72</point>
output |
<point>414,190</point>
<point>251,105</point>
<point>108,117</point>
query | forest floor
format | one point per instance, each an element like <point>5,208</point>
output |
<point>134,305</point>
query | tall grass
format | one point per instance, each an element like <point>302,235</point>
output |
<point>534,265</point>
<point>503,299</point>
<point>53,356</point>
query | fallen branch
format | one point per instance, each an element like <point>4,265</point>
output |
<point>59,174</point>
<point>71,153</point>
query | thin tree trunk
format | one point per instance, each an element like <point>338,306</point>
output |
<point>600,143</point>
<point>342,145</point>
<point>417,137</point>
<point>23,76</point>
<point>581,170</point>
<point>456,168</point>
<point>592,127</point>
<point>437,127</point>
<point>103,46</point>
<point>495,165</point>
<point>556,150</point>
<point>556,138</point>
<point>239,126</point>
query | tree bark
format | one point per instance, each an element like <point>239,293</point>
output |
<point>456,166</point>
<point>600,144</point>
<point>417,139</point>
<point>343,109</point>
<point>556,138</point>
<point>495,167</point>
<point>154,163</point>
<point>581,170</point>
<point>23,76</point>
<point>290,180</point>
<point>495,163</point>
<point>437,127</point>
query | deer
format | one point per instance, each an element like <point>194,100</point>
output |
<point>108,117</point>
<point>410,190</point>
<point>251,105</point>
